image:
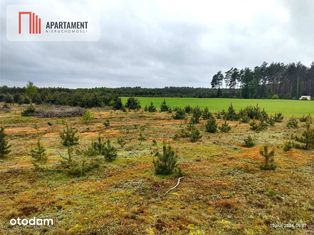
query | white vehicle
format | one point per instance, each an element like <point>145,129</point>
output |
<point>305,98</point>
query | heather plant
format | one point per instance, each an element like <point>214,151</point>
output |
<point>165,163</point>
<point>269,163</point>
<point>69,136</point>
<point>39,156</point>
<point>4,145</point>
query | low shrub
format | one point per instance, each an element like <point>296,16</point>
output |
<point>225,127</point>
<point>249,142</point>
<point>196,115</point>
<point>258,126</point>
<point>77,165</point>
<point>306,140</point>
<point>30,111</point>
<point>188,109</point>
<point>179,114</point>
<point>106,123</point>
<point>278,117</point>
<point>206,114</point>
<point>293,123</point>
<point>141,137</point>
<point>87,117</point>
<point>288,146</point>
<point>121,142</point>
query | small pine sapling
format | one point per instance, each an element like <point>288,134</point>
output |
<point>269,163</point>
<point>4,145</point>
<point>69,136</point>
<point>39,156</point>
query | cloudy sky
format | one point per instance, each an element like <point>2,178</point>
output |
<point>163,42</point>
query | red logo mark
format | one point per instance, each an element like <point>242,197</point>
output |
<point>34,22</point>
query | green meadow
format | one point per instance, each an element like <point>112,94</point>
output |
<point>287,107</point>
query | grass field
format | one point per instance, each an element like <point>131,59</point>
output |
<point>287,107</point>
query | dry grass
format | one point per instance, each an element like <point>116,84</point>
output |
<point>223,192</point>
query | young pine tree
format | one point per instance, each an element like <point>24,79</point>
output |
<point>164,107</point>
<point>39,156</point>
<point>225,127</point>
<point>306,140</point>
<point>196,115</point>
<point>109,152</point>
<point>4,145</point>
<point>117,104</point>
<point>151,108</point>
<point>211,125</point>
<point>69,136</point>
<point>166,162</point>
<point>269,163</point>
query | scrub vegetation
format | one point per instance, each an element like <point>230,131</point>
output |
<point>185,170</point>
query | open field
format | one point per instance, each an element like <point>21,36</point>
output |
<point>224,191</point>
<point>287,107</point>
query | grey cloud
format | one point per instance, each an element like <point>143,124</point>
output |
<point>154,51</point>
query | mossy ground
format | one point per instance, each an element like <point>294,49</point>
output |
<point>223,191</point>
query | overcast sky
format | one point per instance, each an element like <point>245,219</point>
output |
<point>163,43</point>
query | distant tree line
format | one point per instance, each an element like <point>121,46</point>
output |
<point>287,81</point>
<point>275,80</point>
